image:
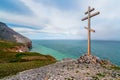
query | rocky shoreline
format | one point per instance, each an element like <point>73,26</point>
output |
<point>84,68</point>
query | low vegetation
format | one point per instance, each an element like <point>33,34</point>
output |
<point>115,67</point>
<point>100,74</point>
<point>14,62</point>
<point>8,69</point>
<point>8,44</point>
<point>95,78</point>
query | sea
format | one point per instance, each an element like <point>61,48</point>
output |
<point>60,49</point>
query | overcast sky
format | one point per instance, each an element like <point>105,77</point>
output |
<point>61,19</point>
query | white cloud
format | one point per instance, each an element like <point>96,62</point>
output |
<point>59,22</point>
<point>67,24</point>
<point>25,30</point>
<point>20,19</point>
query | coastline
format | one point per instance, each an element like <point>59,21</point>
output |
<point>59,66</point>
<point>86,67</point>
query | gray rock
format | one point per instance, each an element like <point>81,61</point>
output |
<point>8,34</point>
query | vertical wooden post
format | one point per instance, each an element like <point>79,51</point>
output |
<point>89,40</point>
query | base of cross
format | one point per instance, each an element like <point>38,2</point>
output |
<point>91,59</point>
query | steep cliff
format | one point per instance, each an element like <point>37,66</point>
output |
<point>8,34</point>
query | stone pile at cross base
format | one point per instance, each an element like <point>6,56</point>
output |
<point>91,59</point>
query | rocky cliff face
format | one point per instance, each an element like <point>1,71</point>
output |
<point>8,34</point>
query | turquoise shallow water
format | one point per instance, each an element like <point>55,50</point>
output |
<point>75,48</point>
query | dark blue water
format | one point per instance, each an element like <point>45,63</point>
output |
<point>75,48</point>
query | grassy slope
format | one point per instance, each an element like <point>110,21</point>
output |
<point>14,62</point>
<point>7,44</point>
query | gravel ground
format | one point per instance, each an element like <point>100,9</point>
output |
<point>69,69</point>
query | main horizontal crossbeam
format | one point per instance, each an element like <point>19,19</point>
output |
<point>85,18</point>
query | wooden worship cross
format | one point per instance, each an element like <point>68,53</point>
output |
<point>88,17</point>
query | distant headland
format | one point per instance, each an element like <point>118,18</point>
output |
<point>9,34</point>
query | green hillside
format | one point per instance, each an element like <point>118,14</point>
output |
<point>14,62</point>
